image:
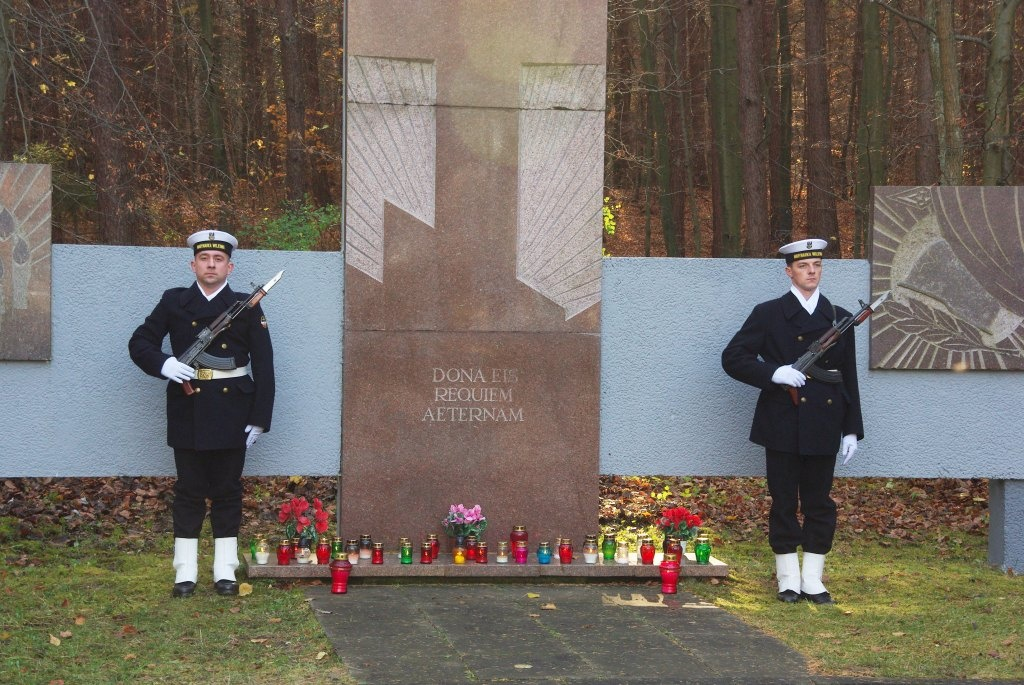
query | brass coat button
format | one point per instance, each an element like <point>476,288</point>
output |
<point>198,390</point>
<point>194,324</point>
<point>225,391</point>
<point>828,401</point>
<point>799,338</point>
<point>223,346</point>
<point>803,399</point>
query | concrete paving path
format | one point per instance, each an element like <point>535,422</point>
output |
<point>545,633</point>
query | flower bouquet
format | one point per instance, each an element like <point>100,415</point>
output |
<point>300,522</point>
<point>461,521</point>
<point>679,522</point>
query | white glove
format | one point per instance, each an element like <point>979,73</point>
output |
<point>848,447</point>
<point>174,370</point>
<point>254,432</point>
<point>787,375</point>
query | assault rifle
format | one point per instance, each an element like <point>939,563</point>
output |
<point>197,350</point>
<point>805,364</point>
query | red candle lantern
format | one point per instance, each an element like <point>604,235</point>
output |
<point>518,534</point>
<point>340,568</point>
<point>646,551</point>
<point>669,574</point>
<point>472,544</point>
<point>481,552</point>
<point>435,545</point>
<point>565,551</point>
<point>377,553</point>
<point>520,552</point>
<point>426,552</point>
<point>284,552</point>
<point>323,551</point>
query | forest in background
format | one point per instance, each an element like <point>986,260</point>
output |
<point>732,126</point>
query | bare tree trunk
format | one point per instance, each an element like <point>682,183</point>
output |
<point>821,204</point>
<point>750,34</point>
<point>678,63</point>
<point>951,158</point>
<point>871,130</point>
<point>727,186</point>
<point>780,113</point>
<point>6,69</point>
<point>319,180</point>
<point>211,83</point>
<point>995,160</point>
<point>295,106</point>
<point>659,125</point>
<point>926,154</point>
<point>114,220</point>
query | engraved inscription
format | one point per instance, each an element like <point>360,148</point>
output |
<point>471,395</point>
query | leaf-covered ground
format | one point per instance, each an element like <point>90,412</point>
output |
<point>64,509</point>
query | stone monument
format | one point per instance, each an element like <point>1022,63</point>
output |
<point>474,159</point>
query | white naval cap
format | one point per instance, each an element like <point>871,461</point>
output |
<point>209,239</point>
<point>803,249</point>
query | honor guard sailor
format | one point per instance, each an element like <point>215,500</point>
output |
<point>801,433</point>
<point>229,407</point>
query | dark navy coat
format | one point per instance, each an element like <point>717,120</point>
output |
<point>776,333</point>
<point>215,416</point>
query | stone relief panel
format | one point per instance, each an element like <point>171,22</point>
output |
<point>25,206</point>
<point>561,148</point>
<point>392,148</point>
<point>953,258</point>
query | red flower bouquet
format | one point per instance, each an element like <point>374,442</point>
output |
<point>299,521</point>
<point>679,522</point>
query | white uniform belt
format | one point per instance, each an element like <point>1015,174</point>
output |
<point>217,374</point>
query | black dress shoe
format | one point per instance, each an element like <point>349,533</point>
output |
<point>186,588</point>
<point>788,596</point>
<point>226,587</point>
<point>820,598</point>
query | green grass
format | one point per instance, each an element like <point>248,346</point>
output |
<point>930,609</point>
<point>904,610</point>
<point>111,611</point>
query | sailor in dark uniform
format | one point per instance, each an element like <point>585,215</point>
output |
<point>801,420</point>
<point>229,409</point>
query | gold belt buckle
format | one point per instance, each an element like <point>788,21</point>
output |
<point>204,374</point>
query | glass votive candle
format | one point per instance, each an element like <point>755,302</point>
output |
<point>458,554</point>
<point>405,551</point>
<point>426,553</point>
<point>608,546</point>
<point>471,546</point>
<point>501,556</point>
<point>646,551</point>
<point>481,552</point>
<point>518,533</point>
<point>352,551</point>
<point>544,553</point>
<point>435,545</point>
<point>520,552</point>
<point>284,553</point>
<point>565,551</point>
<point>590,551</point>
<point>622,552</point>
<point>377,553</point>
<point>365,546</point>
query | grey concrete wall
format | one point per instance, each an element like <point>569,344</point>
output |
<point>666,405</point>
<point>91,412</point>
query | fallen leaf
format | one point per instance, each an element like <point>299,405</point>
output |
<point>532,595</point>
<point>898,634</point>
<point>129,656</point>
<point>534,615</point>
<point>64,602</point>
<point>235,610</point>
<point>65,633</point>
<point>523,666</point>
<point>258,640</point>
<point>847,613</point>
<point>127,630</point>
<point>274,620</point>
<point>1009,641</point>
<point>79,620</point>
<point>994,654</point>
<point>4,635</point>
<point>54,640</point>
<point>244,589</point>
<point>549,606</point>
<point>320,655</point>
